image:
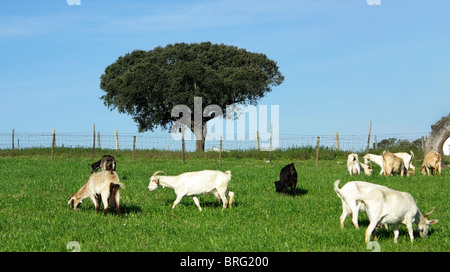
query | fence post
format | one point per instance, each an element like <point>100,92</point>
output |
<point>368,139</point>
<point>423,144</point>
<point>117,139</point>
<point>220,150</point>
<point>317,150</point>
<point>93,144</point>
<point>257,140</point>
<point>376,142</point>
<point>183,145</point>
<point>134,146</point>
<point>98,140</point>
<point>12,147</point>
<point>336,141</point>
<point>270,148</point>
<point>53,143</point>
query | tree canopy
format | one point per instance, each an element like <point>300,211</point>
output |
<point>148,84</point>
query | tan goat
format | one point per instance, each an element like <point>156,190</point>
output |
<point>431,162</point>
<point>99,187</point>
<point>392,164</point>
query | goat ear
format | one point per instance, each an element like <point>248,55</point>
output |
<point>434,221</point>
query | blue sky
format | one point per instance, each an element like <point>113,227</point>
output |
<point>345,62</point>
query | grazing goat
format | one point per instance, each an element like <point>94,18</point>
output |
<point>392,164</point>
<point>348,194</point>
<point>368,169</point>
<point>107,162</point>
<point>288,178</point>
<point>194,184</point>
<point>353,165</point>
<point>378,159</point>
<point>431,162</point>
<point>387,206</point>
<point>407,159</point>
<point>99,188</point>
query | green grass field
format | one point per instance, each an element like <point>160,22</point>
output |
<point>34,215</point>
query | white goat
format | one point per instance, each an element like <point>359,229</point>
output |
<point>348,194</point>
<point>387,206</point>
<point>378,159</point>
<point>407,159</point>
<point>194,184</point>
<point>99,187</point>
<point>368,169</point>
<point>353,165</point>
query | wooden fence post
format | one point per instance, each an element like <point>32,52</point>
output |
<point>93,145</point>
<point>53,143</point>
<point>270,148</point>
<point>12,147</point>
<point>257,140</point>
<point>376,142</point>
<point>368,139</point>
<point>134,146</point>
<point>336,141</point>
<point>117,139</point>
<point>220,150</point>
<point>183,145</point>
<point>98,140</point>
<point>423,144</point>
<point>317,150</point>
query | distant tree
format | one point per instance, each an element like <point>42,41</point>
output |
<point>148,84</point>
<point>394,144</point>
<point>387,143</point>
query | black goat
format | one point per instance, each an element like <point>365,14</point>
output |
<point>288,178</point>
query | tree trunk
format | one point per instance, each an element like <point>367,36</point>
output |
<point>200,139</point>
<point>200,145</point>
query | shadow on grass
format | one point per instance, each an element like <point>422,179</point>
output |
<point>125,209</point>
<point>298,192</point>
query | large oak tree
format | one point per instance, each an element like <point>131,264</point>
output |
<point>148,84</point>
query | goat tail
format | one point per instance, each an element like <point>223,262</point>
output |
<point>120,184</point>
<point>336,187</point>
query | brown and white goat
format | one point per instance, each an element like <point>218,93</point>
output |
<point>107,162</point>
<point>99,188</point>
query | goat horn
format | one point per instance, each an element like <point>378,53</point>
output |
<point>427,214</point>
<point>157,172</point>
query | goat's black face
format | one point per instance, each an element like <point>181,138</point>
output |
<point>278,186</point>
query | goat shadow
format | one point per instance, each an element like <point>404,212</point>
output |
<point>387,234</point>
<point>125,209</point>
<point>207,201</point>
<point>298,191</point>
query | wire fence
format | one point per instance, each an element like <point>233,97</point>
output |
<point>166,141</point>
